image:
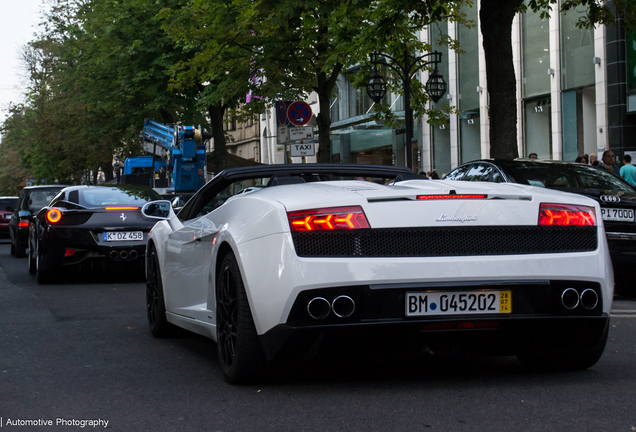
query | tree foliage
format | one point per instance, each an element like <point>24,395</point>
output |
<point>98,68</point>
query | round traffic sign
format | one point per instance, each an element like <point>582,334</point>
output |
<point>299,113</point>
<point>281,113</point>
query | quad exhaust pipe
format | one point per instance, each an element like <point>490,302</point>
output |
<point>570,299</point>
<point>342,306</point>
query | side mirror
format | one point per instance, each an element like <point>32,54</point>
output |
<point>158,210</point>
<point>24,214</point>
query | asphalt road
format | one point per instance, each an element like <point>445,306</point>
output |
<point>81,351</point>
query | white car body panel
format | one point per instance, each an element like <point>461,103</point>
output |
<point>256,228</point>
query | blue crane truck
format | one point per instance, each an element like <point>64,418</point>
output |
<point>183,169</point>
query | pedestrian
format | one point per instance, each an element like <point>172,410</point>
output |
<point>608,162</point>
<point>593,159</point>
<point>533,156</point>
<point>628,171</point>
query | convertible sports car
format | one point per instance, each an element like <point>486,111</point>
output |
<point>616,197</point>
<point>90,228</point>
<point>334,259</point>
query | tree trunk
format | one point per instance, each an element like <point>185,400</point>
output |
<point>107,167</point>
<point>324,90</point>
<point>496,27</point>
<point>219,161</point>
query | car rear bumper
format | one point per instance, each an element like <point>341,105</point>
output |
<point>274,282</point>
<point>485,336</point>
<point>82,251</point>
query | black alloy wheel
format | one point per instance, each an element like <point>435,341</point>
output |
<point>155,304</point>
<point>43,276</point>
<point>240,353</point>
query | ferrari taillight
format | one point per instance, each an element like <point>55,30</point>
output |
<point>328,219</point>
<point>53,215</point>
<point>566,215</point>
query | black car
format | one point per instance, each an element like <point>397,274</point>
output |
<point>30,201</point>
<point>616,197</point>
<point>91,228</point>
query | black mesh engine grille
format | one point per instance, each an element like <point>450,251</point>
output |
<point>447,241</point>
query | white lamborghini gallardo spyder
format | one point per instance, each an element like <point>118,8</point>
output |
<point>302,261</point>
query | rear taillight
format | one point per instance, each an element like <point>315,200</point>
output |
<point>566,215</point>
<point>53,215</point>
<point>328,219</point>
<point>23,223</point>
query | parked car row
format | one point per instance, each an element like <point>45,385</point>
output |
<point>81,229</point>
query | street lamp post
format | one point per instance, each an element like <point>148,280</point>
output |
<point>406,67</point>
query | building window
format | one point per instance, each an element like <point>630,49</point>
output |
<point>577,52</point>
<point>536,54</point>
<point>538,133</point>
<point>468,73</point>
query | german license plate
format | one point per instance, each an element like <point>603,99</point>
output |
<point>620,215</point>
<point>458,303</point>
<point>124,236</point>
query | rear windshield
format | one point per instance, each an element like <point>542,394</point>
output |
<point>6,203</point>
<point>39,198</point>
<point>104,196</point>
<point>570,176</point>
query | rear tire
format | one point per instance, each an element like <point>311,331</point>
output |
<point>570,359</point>
<point>43,276</point>
<point>155,304</point>
<point>240,353</point>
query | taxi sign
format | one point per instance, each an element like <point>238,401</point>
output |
<point>303,150</point>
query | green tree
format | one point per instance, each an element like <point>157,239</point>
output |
<point>220,67</point>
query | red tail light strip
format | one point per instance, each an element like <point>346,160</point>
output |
<point>566,215</point>
<point>436,197</point>
<point>328,219</point>
<point>122,208</point>
<point>23,223</point>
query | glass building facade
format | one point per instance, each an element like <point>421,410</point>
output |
<point>576,94</point>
